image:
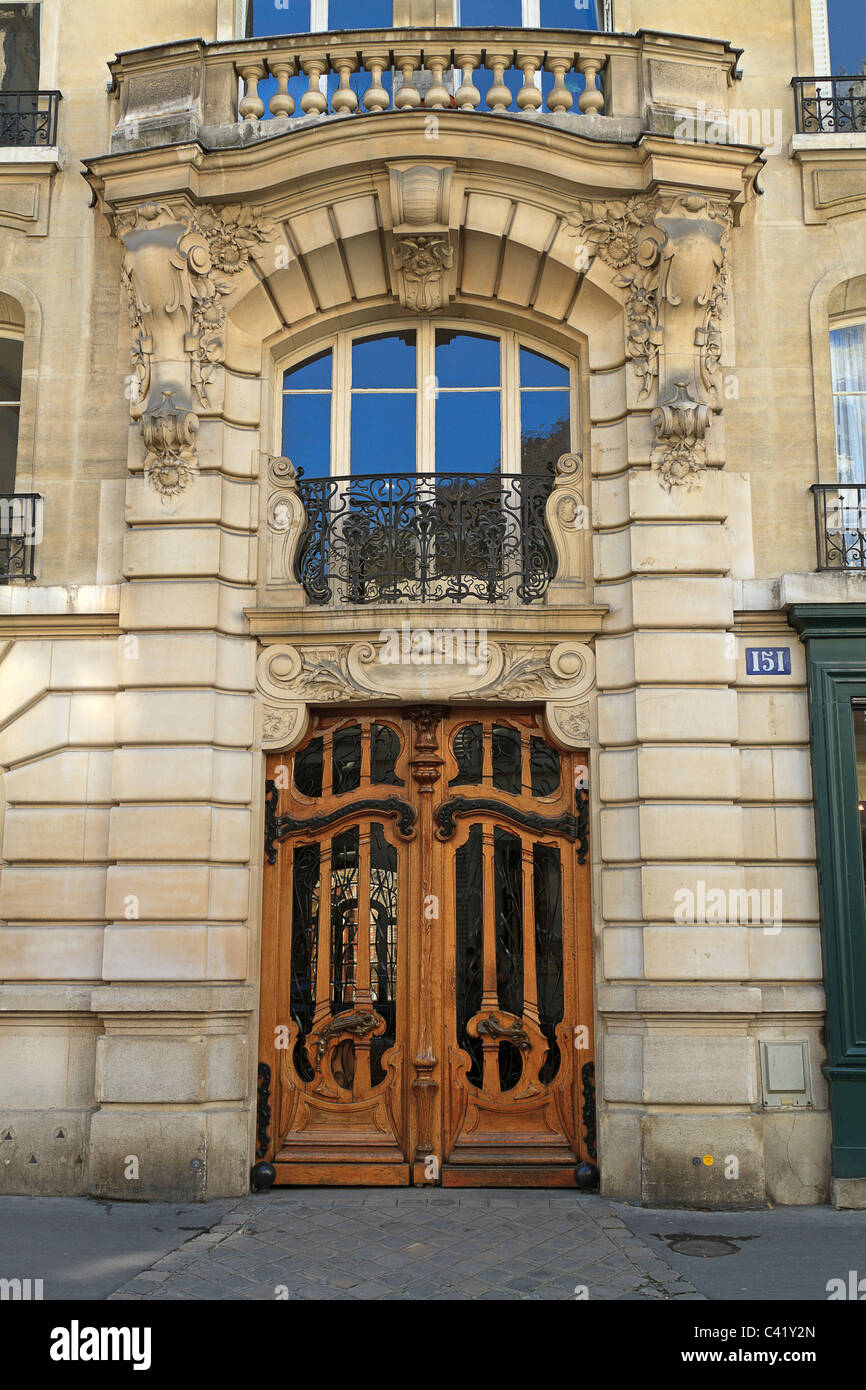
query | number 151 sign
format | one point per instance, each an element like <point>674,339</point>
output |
<point>768,661</point>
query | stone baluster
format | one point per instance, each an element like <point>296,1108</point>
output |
<point>591,100</point>
<point>281,103</point>
<point>314,102</point>
<point>529,96</point>
<point>345,100</point>
<point>498,96</point>
<point>376,98</point>
<point>251,107</point>
<point>408,97</point>
<point>438,94</point>
<point>467,95</point>
<point>559,98</point>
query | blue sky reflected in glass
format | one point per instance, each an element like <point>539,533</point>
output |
<point>388,359</point>
<point>466,359</point>
<point>383,433</point>
<point>536,370</point>
<point>468,432</point>
<point>569,14</point>
<point>315,372</point>
<point>289,17</point>
<point>847,35</point>
<point>360,14</point>
<point>545,430</point>
<point>476,14</point>
<point>307,433</point>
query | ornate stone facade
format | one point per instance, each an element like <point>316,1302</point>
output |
<point>167,642</point>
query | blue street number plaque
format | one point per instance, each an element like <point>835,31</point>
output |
<point>768,661</point>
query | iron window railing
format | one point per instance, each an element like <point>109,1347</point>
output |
<point>830,105</point>
<point>29,118</point>
<point>426,537</point>
<point>840,525</point>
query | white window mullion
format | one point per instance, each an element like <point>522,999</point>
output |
<point>341,406</point>
<point>510,403</point>
<point>318,16</point>
<point>531,16</point>
<point>425,446</point>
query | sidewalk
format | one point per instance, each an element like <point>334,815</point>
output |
<point>424,1244</point>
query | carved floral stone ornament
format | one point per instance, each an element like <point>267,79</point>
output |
<point>422,244</point>
<point>558,674</point>
<point>172,262</point>
<point>670,256</point>
<point>423,261</point>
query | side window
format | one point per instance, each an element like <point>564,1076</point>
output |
<point>19,48</point>
<point>11,353</point>
<point>847,23</point>
<point>848,367</point>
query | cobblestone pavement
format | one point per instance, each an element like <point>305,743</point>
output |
<point>414,1244</point>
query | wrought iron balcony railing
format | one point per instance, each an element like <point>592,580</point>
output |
<point>426,537</point>
<point>840,525</point>
<point>28,118</point>
<point>830,105</point>
<point>20,533</point>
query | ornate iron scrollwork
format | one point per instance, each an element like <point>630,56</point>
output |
<point>447,812</point>
<point>582,798</point>
<point>587,1077</point>
<point>277,828</point>
<point>263,1110</point>
<point>425,537</point>
<point>586,1174</point>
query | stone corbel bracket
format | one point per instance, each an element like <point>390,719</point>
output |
<point>669,255</point>
<point>286,521</point>
<point>173,267</point>
<point>422,666</point>
<point>567,519</point>
<point>422,238</point>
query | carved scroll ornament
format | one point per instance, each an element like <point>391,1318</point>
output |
<point>670,256</point>
<point>171,274</point>
<point>291,678</point>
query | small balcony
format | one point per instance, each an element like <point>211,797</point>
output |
<point>28,120</point>
<point>830,105</point>
<point>20,533</point>
<point>426,538</point>
<point>840,525</point>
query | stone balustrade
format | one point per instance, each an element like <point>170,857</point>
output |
<point>198,90</point>
<point>408,61</point>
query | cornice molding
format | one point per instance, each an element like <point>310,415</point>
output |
<point>59,625</point>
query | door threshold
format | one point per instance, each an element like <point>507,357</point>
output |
<point>342,1174</point>
<point>527,1175</point>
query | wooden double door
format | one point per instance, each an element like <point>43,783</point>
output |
<point>426,1010</point>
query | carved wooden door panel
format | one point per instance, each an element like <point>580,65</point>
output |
<point>426,975</point>
<point>334,969</point>
<point>517,949</point>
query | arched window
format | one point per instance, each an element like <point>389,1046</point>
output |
<point>11,353</point>
<point>428,398</point>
